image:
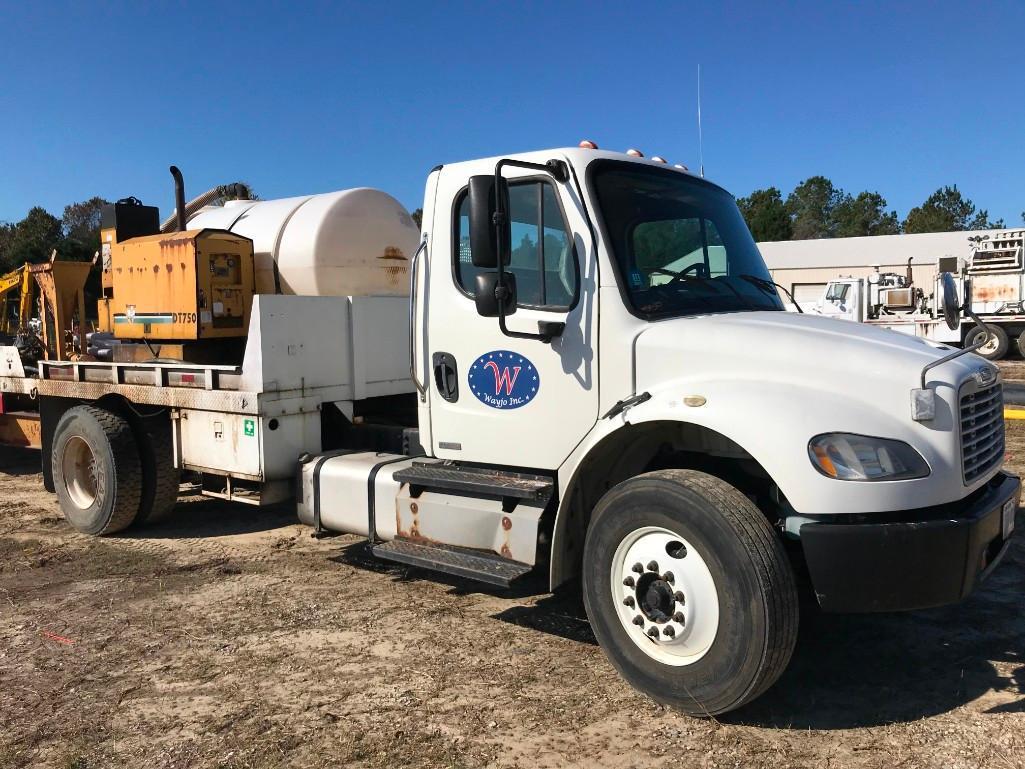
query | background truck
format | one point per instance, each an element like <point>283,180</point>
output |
<point>992,281</point>
<point>578,369</point>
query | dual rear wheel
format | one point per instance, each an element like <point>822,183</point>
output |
<point>109,473</point>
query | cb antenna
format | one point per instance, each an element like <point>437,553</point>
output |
<point>701,144</point>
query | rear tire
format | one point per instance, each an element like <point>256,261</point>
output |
<point>160,478</point>
<point>96,470</point>
<point>720,628</point>
<point>995,348</point>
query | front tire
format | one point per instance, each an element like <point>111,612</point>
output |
<point>96,470</point>
<point>689,591</point>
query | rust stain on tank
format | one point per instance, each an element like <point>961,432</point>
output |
<point>169,266</point>
<point>396,274</point>
<point>399,531</point>
<point>506,522</point>
<point>506,552</point>
<point>996,292</point>
<point>390,252</point>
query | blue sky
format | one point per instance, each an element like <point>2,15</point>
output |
<point>297,98</point>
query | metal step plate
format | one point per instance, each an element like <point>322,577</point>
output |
<point>532,489</point>
<point>472,564</point>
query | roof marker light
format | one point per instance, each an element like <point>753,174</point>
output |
<point>681,167</point>
<point>587,144</point>
<point>658,159</point>
<point>635,153</point>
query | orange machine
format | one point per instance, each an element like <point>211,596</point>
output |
<point>182,286</point>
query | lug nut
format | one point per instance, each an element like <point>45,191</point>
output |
<point>678,617</point>
<point>639,620</point>
<point>629,581</point>
<point>652,565</point>
<point>680,599</point>
<point>668,631</point>
<point>653,632</point>
<point>668,577</point>
<point>638,568</point>
<point>629,601</point>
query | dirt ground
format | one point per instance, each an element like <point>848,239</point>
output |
<point>229,638</point>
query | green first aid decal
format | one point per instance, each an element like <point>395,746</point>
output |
<point>249,427</point>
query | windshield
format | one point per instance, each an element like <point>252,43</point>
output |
<point>681,245</point>
<point>837,292</point>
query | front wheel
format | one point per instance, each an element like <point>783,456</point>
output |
<point>689,591</point>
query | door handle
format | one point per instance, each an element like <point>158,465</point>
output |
<point>446,376</point>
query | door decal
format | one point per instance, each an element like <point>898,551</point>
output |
<point>503,380</point>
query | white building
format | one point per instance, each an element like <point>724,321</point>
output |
<point>805,266</point>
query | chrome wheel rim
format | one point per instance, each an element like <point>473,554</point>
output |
<point>665,596</point>
<point>78,466</point>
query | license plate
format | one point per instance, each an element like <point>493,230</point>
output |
<point>1008,517</point>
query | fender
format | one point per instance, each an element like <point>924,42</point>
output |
<point>773,423</point>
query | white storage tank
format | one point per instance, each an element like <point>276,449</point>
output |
<point>348,243</point>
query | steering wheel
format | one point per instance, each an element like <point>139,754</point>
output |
<point>699,269</point>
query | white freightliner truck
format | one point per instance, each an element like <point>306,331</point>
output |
<point>992,280</point>
<point>593,378</point>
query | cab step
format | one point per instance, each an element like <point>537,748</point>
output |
<point>461,562</point>
<point>532,490</point>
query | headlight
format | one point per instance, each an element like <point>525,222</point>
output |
<point>849,457</point>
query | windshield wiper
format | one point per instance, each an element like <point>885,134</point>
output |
<point>767,287</point>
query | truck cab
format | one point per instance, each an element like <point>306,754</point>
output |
<point>610,391</point>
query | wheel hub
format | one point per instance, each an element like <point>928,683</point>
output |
<point>78,466</point>
<point>665,595</point>
<point>655,598</point>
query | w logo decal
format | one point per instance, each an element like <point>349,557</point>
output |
<point>503,379</point>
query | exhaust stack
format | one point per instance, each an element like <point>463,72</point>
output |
<point>179,197</point>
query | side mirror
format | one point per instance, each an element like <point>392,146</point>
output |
<point>487,290</point>
<point>484,245</point>
<point>950,309</point>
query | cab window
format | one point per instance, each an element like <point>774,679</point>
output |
<point>837,292</point>
<point>542,257</point>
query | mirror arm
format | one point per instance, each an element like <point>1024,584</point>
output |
<point>964,350</point>
<point>559,170</point>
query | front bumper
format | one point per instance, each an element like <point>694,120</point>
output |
<point>910,560</point>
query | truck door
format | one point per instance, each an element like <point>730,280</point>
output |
<point>493,398</point>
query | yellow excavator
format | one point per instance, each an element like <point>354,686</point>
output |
<point>17,285</point>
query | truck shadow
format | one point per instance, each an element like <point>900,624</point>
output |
<point>853,671</point>
<point>848,671</point>
<point>206,517</point>
<point>17,461</point>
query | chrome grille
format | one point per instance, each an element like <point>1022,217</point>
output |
<point>982,431</point>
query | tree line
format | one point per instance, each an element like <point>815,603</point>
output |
<point>816,208</point>
<point>75,234</point>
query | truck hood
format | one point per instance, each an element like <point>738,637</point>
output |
<point>839,356</point>
<point>770,381</point>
